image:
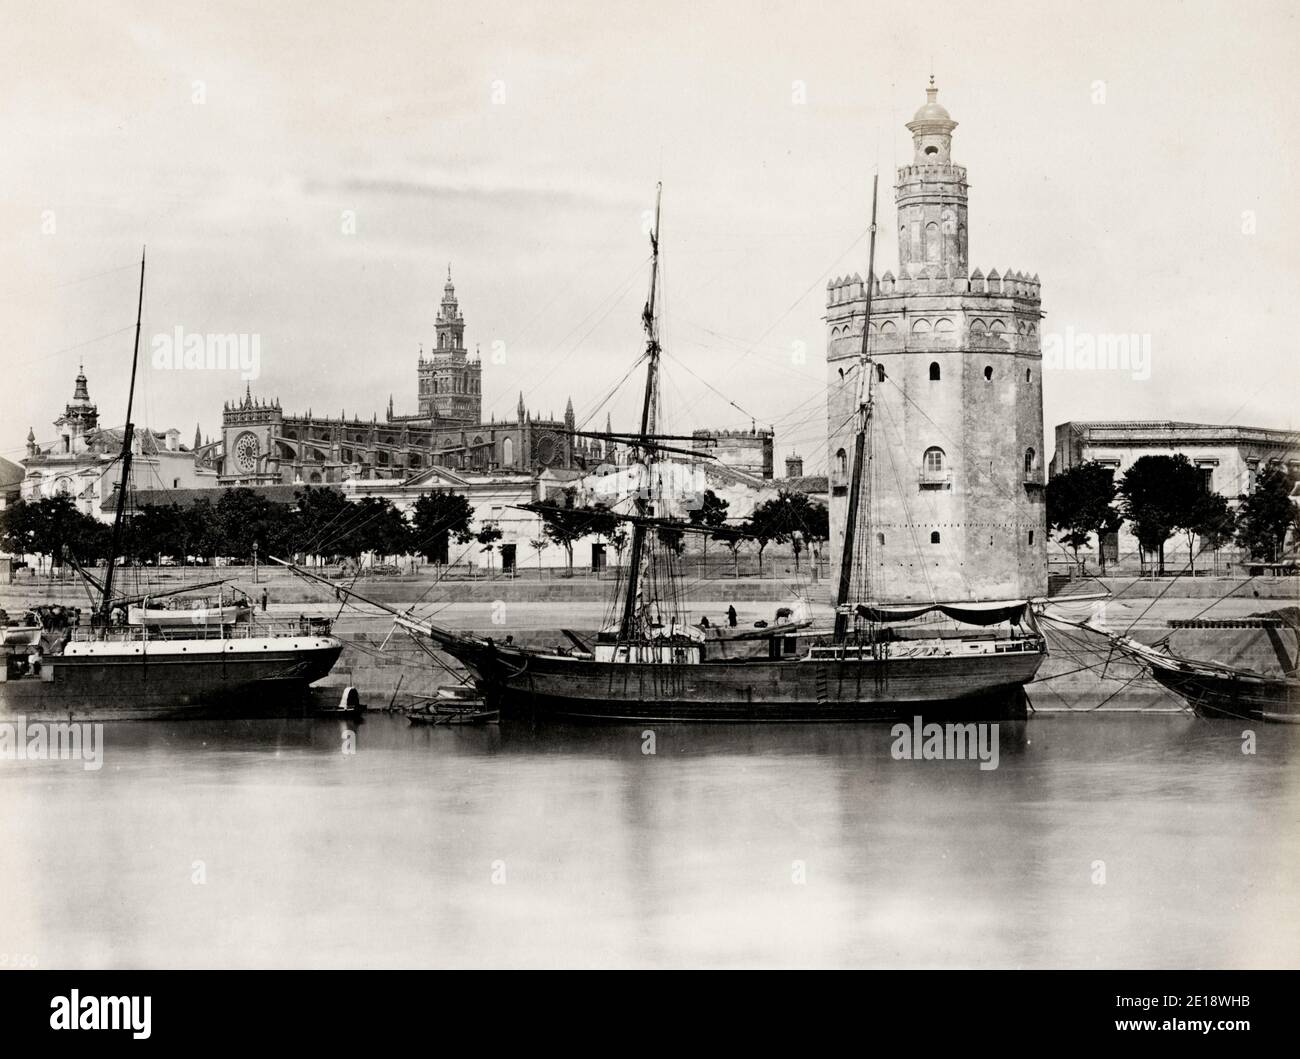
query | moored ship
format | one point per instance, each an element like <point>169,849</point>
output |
<point>134,661</point>
<point>882,659</point>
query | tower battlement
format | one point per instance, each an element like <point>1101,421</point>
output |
<point>929,279</point>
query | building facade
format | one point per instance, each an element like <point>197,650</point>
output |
<point>262,445</point>
<point>1228,457</point>
<point>82,462</point>
<point>742,450</point>
<point>953,504</point>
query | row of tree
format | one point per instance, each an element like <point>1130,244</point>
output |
<point>787,518</point>
<point>1164,496</point>
<point>241,523</point>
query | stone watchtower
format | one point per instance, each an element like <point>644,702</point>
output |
<point>953,503</point>
<point>450,383</point>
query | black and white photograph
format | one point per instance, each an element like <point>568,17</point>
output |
<point>649,486</point>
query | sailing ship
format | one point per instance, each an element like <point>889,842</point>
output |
<point>132,662</point>
<point>880,661</point>
<point>1215,689</point>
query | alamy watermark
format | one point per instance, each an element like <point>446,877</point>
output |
<point>1088,351</point>
<point>946,742</point>
<point>24,740</point>
<point>211,351</point>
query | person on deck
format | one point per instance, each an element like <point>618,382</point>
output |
<point>731,615</point>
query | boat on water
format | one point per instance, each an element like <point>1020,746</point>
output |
<point>1216,689</point>
<point>882,659</point>
<point>189,612</point>
<point>153,669</point>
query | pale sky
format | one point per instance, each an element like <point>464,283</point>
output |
<point>1141,158</point>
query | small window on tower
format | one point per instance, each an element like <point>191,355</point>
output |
<point>880,539</point>
<point>880,373</point>
<point>988,374</point>
<point>932,150</point>
<point>934,372</point>
<point>934,537</point>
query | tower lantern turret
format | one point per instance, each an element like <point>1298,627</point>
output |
<point>931,196</point>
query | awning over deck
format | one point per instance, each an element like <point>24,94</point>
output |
<point>984,613</point>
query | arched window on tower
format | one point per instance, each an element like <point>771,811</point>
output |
<point>508,452</point>
<point>932,244</point>
<point>934,371</point>
<point>1029,461</point>
<point>934,464</point>
<point>841,462</point>
<point>934,537</point>
<point>880,373</point>
<point>988,374</point>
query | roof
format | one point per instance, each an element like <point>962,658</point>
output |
<point>11,476</point>
<point>812,484</point>
<point>281,494</point>
<point>1166,431</point>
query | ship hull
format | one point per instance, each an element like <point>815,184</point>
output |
<point>269,684</point>
<point>795,690</point>
<point>1235,697</point>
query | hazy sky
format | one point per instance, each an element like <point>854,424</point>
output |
<point>1142,158</point>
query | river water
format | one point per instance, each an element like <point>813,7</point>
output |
<point>1107,840</point>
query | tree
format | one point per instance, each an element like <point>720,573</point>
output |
<point>1161,495</point>
<point>1267,513</point>
<point>320,521</point>
<point>244,517</point>
<point>711,513</point>
<point>200,527</point>
<point>49,526</point>
<point>787,516</point>
<point>537,544</point>
<point>435,519</point>
<point>488,537</point>
<point>1081,502</point>
<point>157,530</point>
<point>565,524</point>
<point>671,536</point>
<point>619,540</point>
<point>733,537</point>
<point>378,528</point>
<point>1216,523</point>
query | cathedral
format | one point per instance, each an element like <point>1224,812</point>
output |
<point>262,445</point>
<point>955,501</point>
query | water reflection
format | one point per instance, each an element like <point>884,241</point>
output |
<point>1098,840</point>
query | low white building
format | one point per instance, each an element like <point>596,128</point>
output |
<point>1229,457</point>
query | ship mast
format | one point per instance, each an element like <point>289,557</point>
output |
<point>119,512</point>
<point>860,442</point>
<point>648,318</point>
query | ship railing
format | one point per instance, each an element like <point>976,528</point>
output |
<point>303,626</point>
